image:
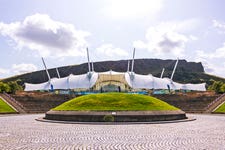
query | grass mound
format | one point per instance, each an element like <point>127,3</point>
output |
<point>5,108</point>
<point>115,101</point>
<point>221,109</point>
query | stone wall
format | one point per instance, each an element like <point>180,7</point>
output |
<point>192,103</point>
<point>43,102</point>
<point>40,102</point>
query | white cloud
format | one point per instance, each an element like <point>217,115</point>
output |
<point>211,65</point>
<point>167,38</point>
<point>214,68</point>
<point>49,37</point>
<point>193,38</point>
<point>17,69</point>
<point>3,71</point>
<point>132,8</point>
<point>218,53</point>
<point>140,44</point>
<point>219,25</point>
<point>23,68</point>
<point>207,67</point>
<point>109,50</point>
<point>202,54</point>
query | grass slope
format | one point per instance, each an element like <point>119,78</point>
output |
<point>115,101</point>
<point>221,109</point>
<point>5,108</point>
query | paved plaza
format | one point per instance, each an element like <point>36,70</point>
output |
<point>24,132</point>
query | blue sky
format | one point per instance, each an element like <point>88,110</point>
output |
<point>60,31</point>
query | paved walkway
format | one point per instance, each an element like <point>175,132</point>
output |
<point>23,132</point>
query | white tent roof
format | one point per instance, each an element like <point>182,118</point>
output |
<point>60,83</point>
<point>172,85</point>
<point>70,82</point>
<point>159,83</point>
<point>138,81</point>
<point>111,73</point>
<point>194,87</point>
<point>83,81</point>
<point>35,87</point>
<point>135,81</point>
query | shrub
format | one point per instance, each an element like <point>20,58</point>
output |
<point>217,86</point>
<point>14,87</point>
<point>108,118</point>
<point>4,87</point>
<point>10,87</point>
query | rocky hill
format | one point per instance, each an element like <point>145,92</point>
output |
<point>186,71</point>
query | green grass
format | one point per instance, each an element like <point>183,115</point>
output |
<point>115,101</point>
<point>221,109</point>
<point>5,108</point>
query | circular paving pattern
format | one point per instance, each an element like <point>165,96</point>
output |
<point>23,132</point>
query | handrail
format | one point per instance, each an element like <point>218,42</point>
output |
<point>13,100</point>
<point>216,100</point>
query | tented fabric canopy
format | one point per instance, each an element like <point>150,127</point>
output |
<point>70,82</point>
<point>194,87</point>
<point>60,83</point>
<point>35,87</point>
<point>135,81</point>
<point>139,81</point>
<point>112,73</point>
<point>82,81</point>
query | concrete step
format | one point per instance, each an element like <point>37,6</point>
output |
<point>217,102</point>
<point>18,106</point>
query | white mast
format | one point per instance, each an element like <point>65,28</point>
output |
<point>132,67</point>
<point>49,79</point>
<point>89,69</point>
<point>92,66</point>
<point>174,69</point>
<point>162,72</point>
<point>89,66</point>
<point>57,72</point>
<point>128,66</point>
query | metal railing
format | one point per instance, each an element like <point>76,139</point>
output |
<point>215,101</point>
<point>13,101</point>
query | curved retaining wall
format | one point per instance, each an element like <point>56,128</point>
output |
<point>119,116</point>
<point>189,102</point>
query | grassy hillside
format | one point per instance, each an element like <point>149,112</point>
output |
<point>221,109</point>
<point>115,101</point>
<point>5,108</point>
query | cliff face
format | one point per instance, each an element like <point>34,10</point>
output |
<point>185,72</point>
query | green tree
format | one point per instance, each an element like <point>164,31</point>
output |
<point>14,86</point>
<point>216,86</point>
<point>4,87</point>
<point>222,88</point>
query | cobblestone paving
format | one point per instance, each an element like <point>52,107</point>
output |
<point>23,132</point>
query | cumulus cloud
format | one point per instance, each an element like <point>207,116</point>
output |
<point>219,25</point>
<point>214,68</point>
<point>41,33</point>
<point>23,68</point>
<point>212,65</point>
<point>167,38</point>
<point>218,53</point>
<point>207,67</point>
<point>16,69</point>
<point>109,50</point>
